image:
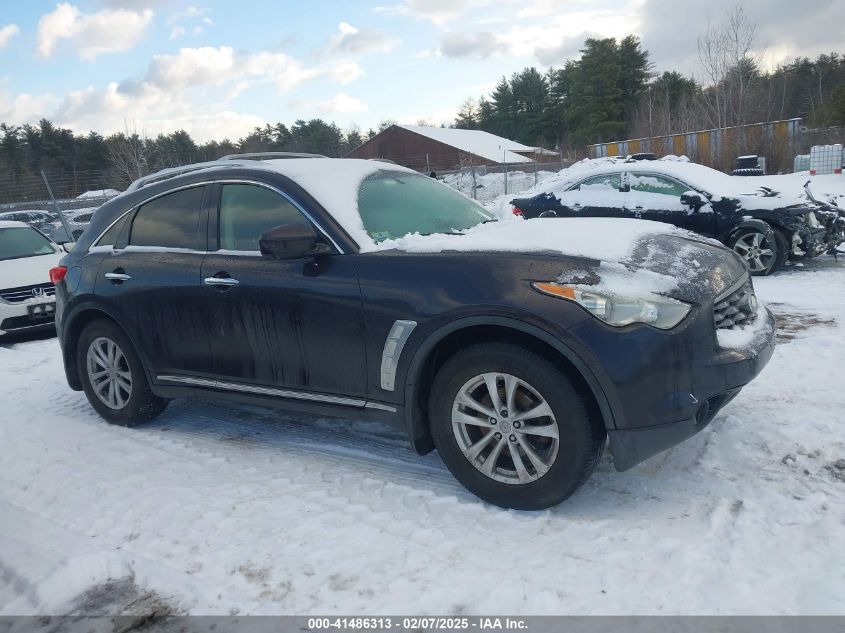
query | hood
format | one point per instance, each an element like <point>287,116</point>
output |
<point>28,271</point>
<point>620,256</point>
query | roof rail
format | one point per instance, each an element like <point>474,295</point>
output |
<point>270,156</point>
<point>171,172</point>
<point>225,161</point>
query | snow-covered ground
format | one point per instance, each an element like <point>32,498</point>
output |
<point>227,509</point>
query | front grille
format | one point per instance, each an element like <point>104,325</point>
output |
<point>19,295</point>
<point>737,308</point>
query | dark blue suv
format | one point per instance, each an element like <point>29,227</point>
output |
<point>358,288</point>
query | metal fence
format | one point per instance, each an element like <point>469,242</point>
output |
<point>54,205</point>
<point>486,183</point>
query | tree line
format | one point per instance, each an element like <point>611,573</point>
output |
<point>77,163</point>
<point>611,92</point>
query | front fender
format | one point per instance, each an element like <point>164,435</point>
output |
<point>415,421</point>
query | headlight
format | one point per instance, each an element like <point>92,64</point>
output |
<point>664,313</point>
<point>812,220</point>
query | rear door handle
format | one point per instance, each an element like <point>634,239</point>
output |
<point>220,281</point>
<point>117,277</point>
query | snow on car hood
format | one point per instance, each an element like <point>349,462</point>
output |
<point>625,256</point>
<point>28,271</point>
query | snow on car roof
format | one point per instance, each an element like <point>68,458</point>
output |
<point>12,224</point>
<point>476,142</point>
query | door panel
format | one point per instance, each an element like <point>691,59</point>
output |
<point>160,306</point>
<point>151,282</point>
<point>656,197</point>
<point>296,324</point>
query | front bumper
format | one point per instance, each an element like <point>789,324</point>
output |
<point>14,317</point>
<point>665,386</point>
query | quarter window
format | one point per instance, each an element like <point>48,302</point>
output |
<point>111,236</point>
<point>171,221</point>
<point>247,211</point>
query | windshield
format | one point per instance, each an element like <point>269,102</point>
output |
<point>23,241</point>
<point>394,204</point>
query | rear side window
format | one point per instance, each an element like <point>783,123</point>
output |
<point>171,221</point>
<point>649,183</point>
<point>606,182</point>
<point>247,211</point>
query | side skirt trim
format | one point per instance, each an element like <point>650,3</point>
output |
<point>279,393</point>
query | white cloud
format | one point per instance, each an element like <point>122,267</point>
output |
<point>176,31</point>
<point>152,111</point>
<point>341,102</point>
<point>350,39</point>
<point>472,45</point>
<point>91,34</point>
<point>164,98</point>
<point>7,33</point>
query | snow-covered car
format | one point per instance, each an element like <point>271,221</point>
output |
<point>357,288</point>
<point>40,220</point>
<point>764,227</point>
<point>27,298</point>
<point>77,221</point>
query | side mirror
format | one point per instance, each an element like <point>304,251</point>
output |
<point>291,241</point>
<point>68,246</point>
<point>692,199</point>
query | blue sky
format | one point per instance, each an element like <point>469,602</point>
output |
<point>219,68</point>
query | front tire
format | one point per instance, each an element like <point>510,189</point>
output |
<point>512,427</point>
<point>113,377</point>
<point>764,254</point>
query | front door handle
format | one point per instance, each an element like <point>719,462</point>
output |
<point>220,281</point>
<point>117,277</point>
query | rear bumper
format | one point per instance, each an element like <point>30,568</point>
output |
<point>665,387</point>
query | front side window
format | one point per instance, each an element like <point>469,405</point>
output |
<point>394,204</point>
<point>648,183</point>
<point>171,221</point>
<point>247,211</point>
<point>23,241</point>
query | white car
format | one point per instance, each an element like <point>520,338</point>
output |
<point>27,298</point>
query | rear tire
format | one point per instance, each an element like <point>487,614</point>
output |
<point>113,377</point>
<point>752,245</point>
<point>525,462</point>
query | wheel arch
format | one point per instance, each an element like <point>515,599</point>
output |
<point>444,342</point>
<point>72,328</point>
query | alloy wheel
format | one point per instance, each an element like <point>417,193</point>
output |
<point>109,373</point>
<point>505,428</point>
<point>757,250</point>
